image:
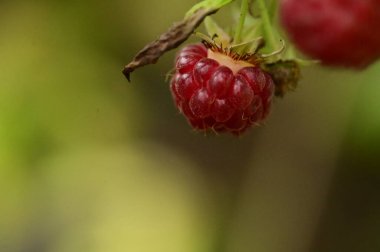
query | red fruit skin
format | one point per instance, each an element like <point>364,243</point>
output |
<point>212,97</point>
<point>341,33</point>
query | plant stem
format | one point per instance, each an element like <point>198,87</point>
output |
<point>243,13</point>
<point>272,9</point>
<point>267,26</point>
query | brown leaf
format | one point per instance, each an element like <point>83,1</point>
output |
<point>171,39</point>
<point>285,74</point>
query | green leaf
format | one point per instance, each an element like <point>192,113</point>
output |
<point>208,4</point>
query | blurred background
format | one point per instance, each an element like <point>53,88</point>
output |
<point>90,162</point>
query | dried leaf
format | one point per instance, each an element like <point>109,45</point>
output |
<point>285,74</point>
<point>171,39</point>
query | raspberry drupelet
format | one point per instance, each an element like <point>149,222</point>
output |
<point>220,91</point>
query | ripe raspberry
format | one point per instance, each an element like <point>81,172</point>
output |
<point>337,32</point>
<point>214,91</point>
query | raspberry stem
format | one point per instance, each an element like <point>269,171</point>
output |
<point>243,13</point>
<point>267,26</point>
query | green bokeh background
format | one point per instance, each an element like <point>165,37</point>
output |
<point>89,162</point>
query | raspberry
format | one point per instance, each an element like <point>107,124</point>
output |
<point>214,91</point>
<point>337,32</point>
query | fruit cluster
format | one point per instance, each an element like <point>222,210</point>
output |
<point>227,84</point>
<point>215,90</point>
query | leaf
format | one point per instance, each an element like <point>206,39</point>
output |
<point>285,74</point>
<point>171,39</point>
<point>208,4</point>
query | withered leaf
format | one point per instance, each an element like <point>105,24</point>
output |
<point>285,74</point>
<point>171,39</point>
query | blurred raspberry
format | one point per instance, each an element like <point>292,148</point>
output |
<point>336,32</point>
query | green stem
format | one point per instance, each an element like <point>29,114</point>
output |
<point>243,13</point>
<point>267,26</point>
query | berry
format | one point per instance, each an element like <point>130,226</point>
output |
<point>216,91</point>
<point>336,32</point>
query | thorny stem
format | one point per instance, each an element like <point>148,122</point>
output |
<point>243,13</point>
<point>267,26</point>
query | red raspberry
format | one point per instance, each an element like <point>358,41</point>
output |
<point>337,32</point>
<point>214,91</point>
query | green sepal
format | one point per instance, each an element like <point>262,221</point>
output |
<point>215,32</point>
<point>291,54</point>
<point>204,37</point>
<point>249,47</point>
<point>252,28</point>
